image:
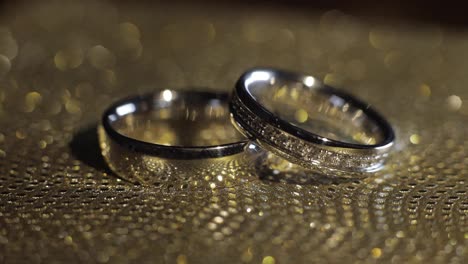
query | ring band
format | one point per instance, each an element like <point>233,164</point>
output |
<point>149,137</point>
<point>265,102</point>
<point>164,100</point>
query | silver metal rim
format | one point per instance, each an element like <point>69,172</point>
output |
<point>152,100</point>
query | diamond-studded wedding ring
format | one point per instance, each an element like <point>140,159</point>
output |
<point>309,123</point>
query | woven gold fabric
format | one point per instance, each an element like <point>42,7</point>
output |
<point>63,62</point>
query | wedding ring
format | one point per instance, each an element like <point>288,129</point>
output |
<point>308,123</point>
<point>139,136</point>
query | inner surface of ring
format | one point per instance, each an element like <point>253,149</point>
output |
<point>308,106</point>
<point>173,120</point>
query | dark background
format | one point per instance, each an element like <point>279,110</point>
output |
<point>449,13</point>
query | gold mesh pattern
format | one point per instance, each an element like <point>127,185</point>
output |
<point>62,63</point>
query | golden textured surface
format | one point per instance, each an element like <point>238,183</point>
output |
<point>62,63</point>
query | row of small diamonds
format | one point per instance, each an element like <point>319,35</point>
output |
<point>247,115</point>
<point>297,148</point>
